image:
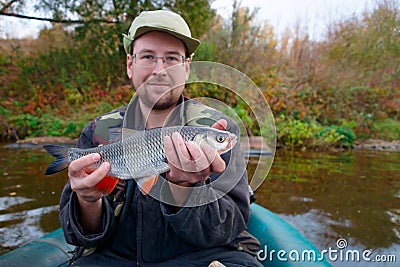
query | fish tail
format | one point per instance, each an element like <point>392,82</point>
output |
<point>145,184</point>
<point>61,155</point>
<point>107,184</point>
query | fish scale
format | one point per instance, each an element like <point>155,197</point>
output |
<point>140,153</point>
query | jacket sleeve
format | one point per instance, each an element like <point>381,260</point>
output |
<point>70,210</point>
<point>220,221</point>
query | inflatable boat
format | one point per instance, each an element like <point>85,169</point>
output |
<point>281,245</point>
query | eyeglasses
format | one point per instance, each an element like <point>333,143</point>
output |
<point>146,59</point>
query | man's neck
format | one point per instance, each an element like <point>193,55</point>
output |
<point>154,118</point>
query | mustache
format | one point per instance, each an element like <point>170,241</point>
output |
<point>158,79</point>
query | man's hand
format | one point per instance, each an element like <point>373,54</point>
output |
<point>189,163</point>
<point>83,181</point>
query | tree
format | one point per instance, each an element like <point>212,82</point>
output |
<point>96,27</point>
<point>101,22</point>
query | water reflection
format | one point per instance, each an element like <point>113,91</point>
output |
<point>353,195</point>
<point>395,218</point>
<point>7,202</point>
<point>28,199</point>
<point>25,226</point>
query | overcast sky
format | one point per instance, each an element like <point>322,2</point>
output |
<point>313,14</point>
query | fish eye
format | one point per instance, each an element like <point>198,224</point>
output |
<point>220,138</point>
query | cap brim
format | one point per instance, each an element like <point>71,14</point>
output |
<point>190,43</point>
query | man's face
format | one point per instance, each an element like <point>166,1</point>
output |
<point>157,86</point>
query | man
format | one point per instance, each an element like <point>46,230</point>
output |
<point>130,227</point>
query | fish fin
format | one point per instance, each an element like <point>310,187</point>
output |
<point>107,184</point>
<point>146,183</point>
<point>116,134</point>
<point>61,155</point>
<point>126,131</point>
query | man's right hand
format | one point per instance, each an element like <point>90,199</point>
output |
<point>83,179</point>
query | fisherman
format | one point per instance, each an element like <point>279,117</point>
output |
<point>132,228</point>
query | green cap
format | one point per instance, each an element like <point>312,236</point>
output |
<point>160,20</point>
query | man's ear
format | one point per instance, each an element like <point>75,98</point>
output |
<point>129,64</point>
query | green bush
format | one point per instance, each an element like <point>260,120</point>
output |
<point>28,125</point>
<point>387,129</point>
<point>295,133</point>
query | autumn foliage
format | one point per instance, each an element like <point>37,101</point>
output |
<point>331,91</point>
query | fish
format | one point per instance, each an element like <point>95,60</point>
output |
<point>137,155</point>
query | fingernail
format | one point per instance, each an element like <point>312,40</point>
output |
<point>167,140</point>
<point>190,143</point>
<point>176,134</point>
<point>96,157</point>
<point>106,165</point>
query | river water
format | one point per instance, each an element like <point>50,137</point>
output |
<point>349,199</point>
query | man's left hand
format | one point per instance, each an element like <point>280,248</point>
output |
<point>188,162</point>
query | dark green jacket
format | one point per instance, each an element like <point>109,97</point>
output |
<point>147,230</point>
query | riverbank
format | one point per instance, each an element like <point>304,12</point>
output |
<point>38,142</point>
<point>375,144</point>
<point>254,143</point>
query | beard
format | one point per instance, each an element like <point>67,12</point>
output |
<point>165,101</point>
<point>160,93</point>
<point>160,98</point>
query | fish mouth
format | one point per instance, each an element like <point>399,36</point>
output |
<point>232,141</point>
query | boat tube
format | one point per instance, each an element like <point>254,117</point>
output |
<point>281,245</point>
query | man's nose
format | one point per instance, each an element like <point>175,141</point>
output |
<point>159,64</point>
